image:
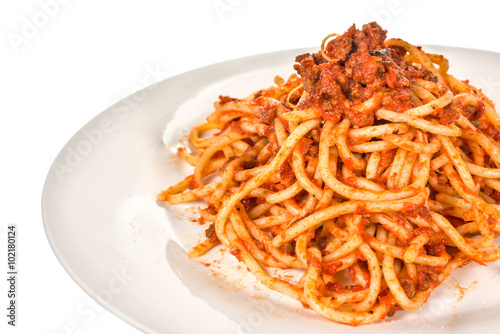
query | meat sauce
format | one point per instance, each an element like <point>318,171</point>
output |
<point>359,67</point>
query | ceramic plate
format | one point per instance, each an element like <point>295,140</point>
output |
<point>129,252</point>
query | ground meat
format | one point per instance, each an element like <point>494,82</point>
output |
<point>360,67</point>
<point>307,69</point>
<point>249,203</point>
<point>437,245</point>
<point>287,175</point>
<point>267,114</point>
<point>472,113</point>
<point>447,115</point>
<point>210,233</point>
<point>427,275</point>
<point>225,99</point>
<point>490,130</point>
<point>370,38</point>
<point>455,221</point>
<point>339,48</point>
<point>364,68</point>
<point>359,119</point>
<point>389,303</point>
<point>408,286</point>
<point>288,248</point>
<point>304,146</point>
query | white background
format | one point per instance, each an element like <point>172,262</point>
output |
<point>63,62</point>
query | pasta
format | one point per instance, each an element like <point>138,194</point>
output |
<point>373,171</point>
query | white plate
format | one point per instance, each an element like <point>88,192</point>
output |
<point>129,252</point>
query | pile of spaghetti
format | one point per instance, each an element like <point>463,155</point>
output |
<point>373,171</point>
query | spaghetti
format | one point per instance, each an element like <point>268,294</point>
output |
<point>372,170</point>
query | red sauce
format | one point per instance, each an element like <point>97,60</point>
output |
<point>304,145</point>
<point>354,288</point>
<point>455,221</point>
<point>490,130</point>
<point>425,213</point>
<point>389,303</point>
<point>267,114</point>
<point>332,268</point>
<point>236,253</point>
<point>334,286</point>
<point>226,99</point>
<point>437,245</point>
<point>408,286</point>
<point>287,174</point>
<point>427,276</point>
<point>411,210</point>
<point>316,263</point>
<point>350,181</point>
<point>210,233</point>
<point>424,230</point>
<point>361,209</point>
<point>447,115</point>
<point>385,160</point>
<point>359,66</point>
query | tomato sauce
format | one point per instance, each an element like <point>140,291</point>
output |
<point>356,67</point>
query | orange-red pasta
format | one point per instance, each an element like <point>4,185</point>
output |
<point>369,163</point>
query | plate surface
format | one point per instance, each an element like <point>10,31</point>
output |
<point>129,252</point>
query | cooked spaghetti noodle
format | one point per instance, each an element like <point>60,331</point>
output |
<point>372,170</point>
